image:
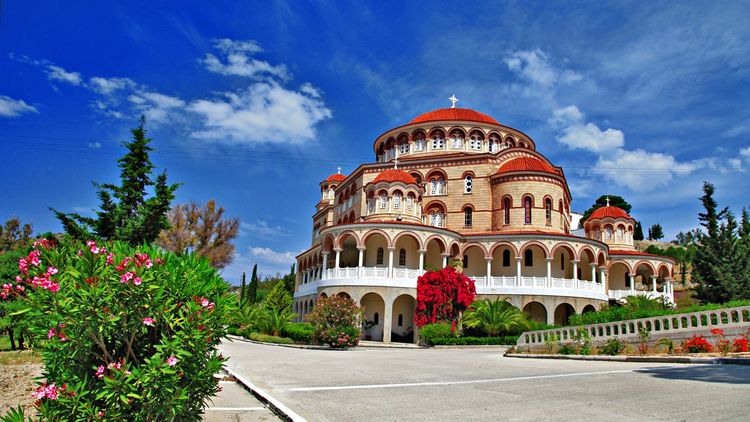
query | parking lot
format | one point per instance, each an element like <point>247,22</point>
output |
<point>472,384</point>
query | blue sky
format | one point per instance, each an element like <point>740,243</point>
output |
<point>254,104</point>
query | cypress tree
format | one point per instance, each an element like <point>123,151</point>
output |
<point>638,235</point>
<point>243,292</point>
<point>252,291</point>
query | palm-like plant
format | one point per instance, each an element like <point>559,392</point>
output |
<point>495,317</point>
<point>274,320</point>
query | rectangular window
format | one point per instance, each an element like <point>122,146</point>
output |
<point>467,218</point>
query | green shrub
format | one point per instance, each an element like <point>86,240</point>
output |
<point>621,313</point>
<point>299,331</point>
<point>265,338</point>
<point>336,321</point>
<point>464,341</point>
<point>132,333</point>
<point>613,347</point>
<point>566,349</point>
<point>437,330</point>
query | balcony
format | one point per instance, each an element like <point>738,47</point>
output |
<point>651,294</point>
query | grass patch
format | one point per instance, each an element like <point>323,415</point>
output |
<point>4,343</point>
<point>21,357</point>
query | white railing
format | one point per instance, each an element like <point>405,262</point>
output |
<point>622,294</point>
<point>735,321</point>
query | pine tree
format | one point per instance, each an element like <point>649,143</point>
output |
<point>125,213</point>
<point>243,293</point>
<point>252,291</point>
<point>638,235</point>
<point>655,232</point>
<point>290,279</point>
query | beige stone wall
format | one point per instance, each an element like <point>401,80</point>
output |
<point>539,188</point>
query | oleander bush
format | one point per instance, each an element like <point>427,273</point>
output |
<point>266,338</point>
<point>697,344</point>
<point>336,321</point>
<point>299,331</point>
<point>130,333</point>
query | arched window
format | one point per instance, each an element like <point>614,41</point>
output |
<point>379,257</point>
<point>437,141</point>
<point>404,147</point>
<point>383,200</point>
<point>527,210</point>
<point>468,217</point>
<point>475,143</point>
<point>562,261</point>
<point>376,318</point>
<point>620,231</point>
<point>397,200</point>
<point>439,218</point>
<point>457,140</point>
<point>419,143</point>
<point>402,257</point>
<point>560,208</point>
<point>548,210</point>
<point>436,185</point>
<point>528,258</point>
<point>506,210</point>
<point>506,258</point>
<point>400,320</point>
<point>409,202</point>
<point>466,261</point>
<point>468,182</point>
<point>608,231</point>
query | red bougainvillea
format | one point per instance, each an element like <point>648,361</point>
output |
<point>442,296</point>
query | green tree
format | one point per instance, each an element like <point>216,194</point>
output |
<point>125,212</point>
<point>614,200</point>
<point>278,298</point>
<point>243,293</point>
<point>289,280</point>
<point>251,296</point>
<point>638,235</point>
<point>721,265</point>
<point>13,235</point>
<point>655,232</point>
<point>495,318</point>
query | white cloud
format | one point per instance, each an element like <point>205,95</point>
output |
<point>269,261</point>
<point>270,256</point>
<point>12,108</point>
<point>262,230</point>
<point>745,153</point>
<point>534,66</point>
<point>95,145</point>
<point>264,112</point>
<point>57,73</point>
<point>577,134</point>
<point>642,171</point>
<point>238,60</point>
<point>157,107</point>
<point>107,86</point>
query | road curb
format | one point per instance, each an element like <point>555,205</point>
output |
<point>277,407</point>
<point>640,359</point>
<point>291,346</point>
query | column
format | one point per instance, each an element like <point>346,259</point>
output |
<point>653,283</point>
<point>518,271</point>
<point>445,260</point>
<point>593,272</point>
<point>603,277</point>
<point>387,320</point>
<point>361,261</point>
<point>549,271</point>
<point>489,271</point>
<point>390,261</point>
<point>325,265</point>
<point>575,272</point>
<point>315,273</point>
<point>338,263</point>
<point>421,260</point>
<point>632,284</point>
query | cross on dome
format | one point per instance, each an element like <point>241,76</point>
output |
<point>339,169</point>
<point>453,101</point>
<point>608,201</point>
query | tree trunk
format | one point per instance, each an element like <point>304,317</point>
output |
<point>12,341</point>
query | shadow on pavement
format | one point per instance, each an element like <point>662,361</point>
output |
<point>727,374</point>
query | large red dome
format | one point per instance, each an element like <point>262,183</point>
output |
<point>395,175</point>
<point>335,177</point>
<point>608,212</point>
<point>454,114</point>
<point>526,164</point>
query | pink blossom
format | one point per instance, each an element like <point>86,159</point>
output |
<point>45,391</point>
<point>100,414</point>
<point>51,270</point>
<point>51,391</point>
<point>148,263</point>
<point>126,277</point>
<point>137,281</point>
<point>34,257</point>
<point>23,265</point>
<point>100,371</point>
<point>39,393</point>
<point>149,321</point>
<point>53,287</point>
<point>110,259</point>
<point>20,288</point>
<point>171,361</point>
<point>51,333</point>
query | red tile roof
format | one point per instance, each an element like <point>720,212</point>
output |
<point>395,175</point>
<point>454,114</point>
<point>526,164</point>
<point>608,212</point>
<point>335,177</point>
<point>631,252</point>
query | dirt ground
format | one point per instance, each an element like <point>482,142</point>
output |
<point>17,381</point>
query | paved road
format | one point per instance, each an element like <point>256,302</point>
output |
<point>480,384</point>
<point>233,403</point>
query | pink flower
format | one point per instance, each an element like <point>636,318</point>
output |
<point>126,277</point>
<point>45,391</point>
<point>137,281</point>
<point>148,263</point>
<point>51,391</point>
<point>39,393</point>
<point>51,270</point>
<point>100,371</point>
<point>100,414</point>
<point>23,265</point>
<point>53,287</point>
<point>149,321</point>
<point>171,361</point>
<point>110,259</point>
<point>51,333</point>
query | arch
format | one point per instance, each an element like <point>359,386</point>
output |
<point>663,271</point>
<point>586,251</point>
<point>563,313</point>
<point>342,237</point>
<point>345,295</point>
<point>588,308</point>
<point>436,172</point>
<point>648,264</point>
<point>322,295</point>
<point>475,254</point>
<point>374,305</point>
<point>619,275</point>
<point>329,240</point>
<point>478,245</point>
<point>437,130</point>
<point>373,232</point>
<point>403,308</point>
<point>440,242</point>
<point>531,243</point>
<point>408,234</point>
<point>511,246</point>
<point>536,311</point>
<point>510,141</point>
<point>435,248</point>
<point>527,201</point>
<point>569,248</point>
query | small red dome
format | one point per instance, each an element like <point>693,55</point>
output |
<point>608,212</point>
<point>454,114</point>
<point>526,164</point>
<point>335,177</point>
<point>395,175</point>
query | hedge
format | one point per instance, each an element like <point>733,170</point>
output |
<point>265,338</point>
<point>299,331</point>
<point>466,341</point>
<point>623,313</point>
